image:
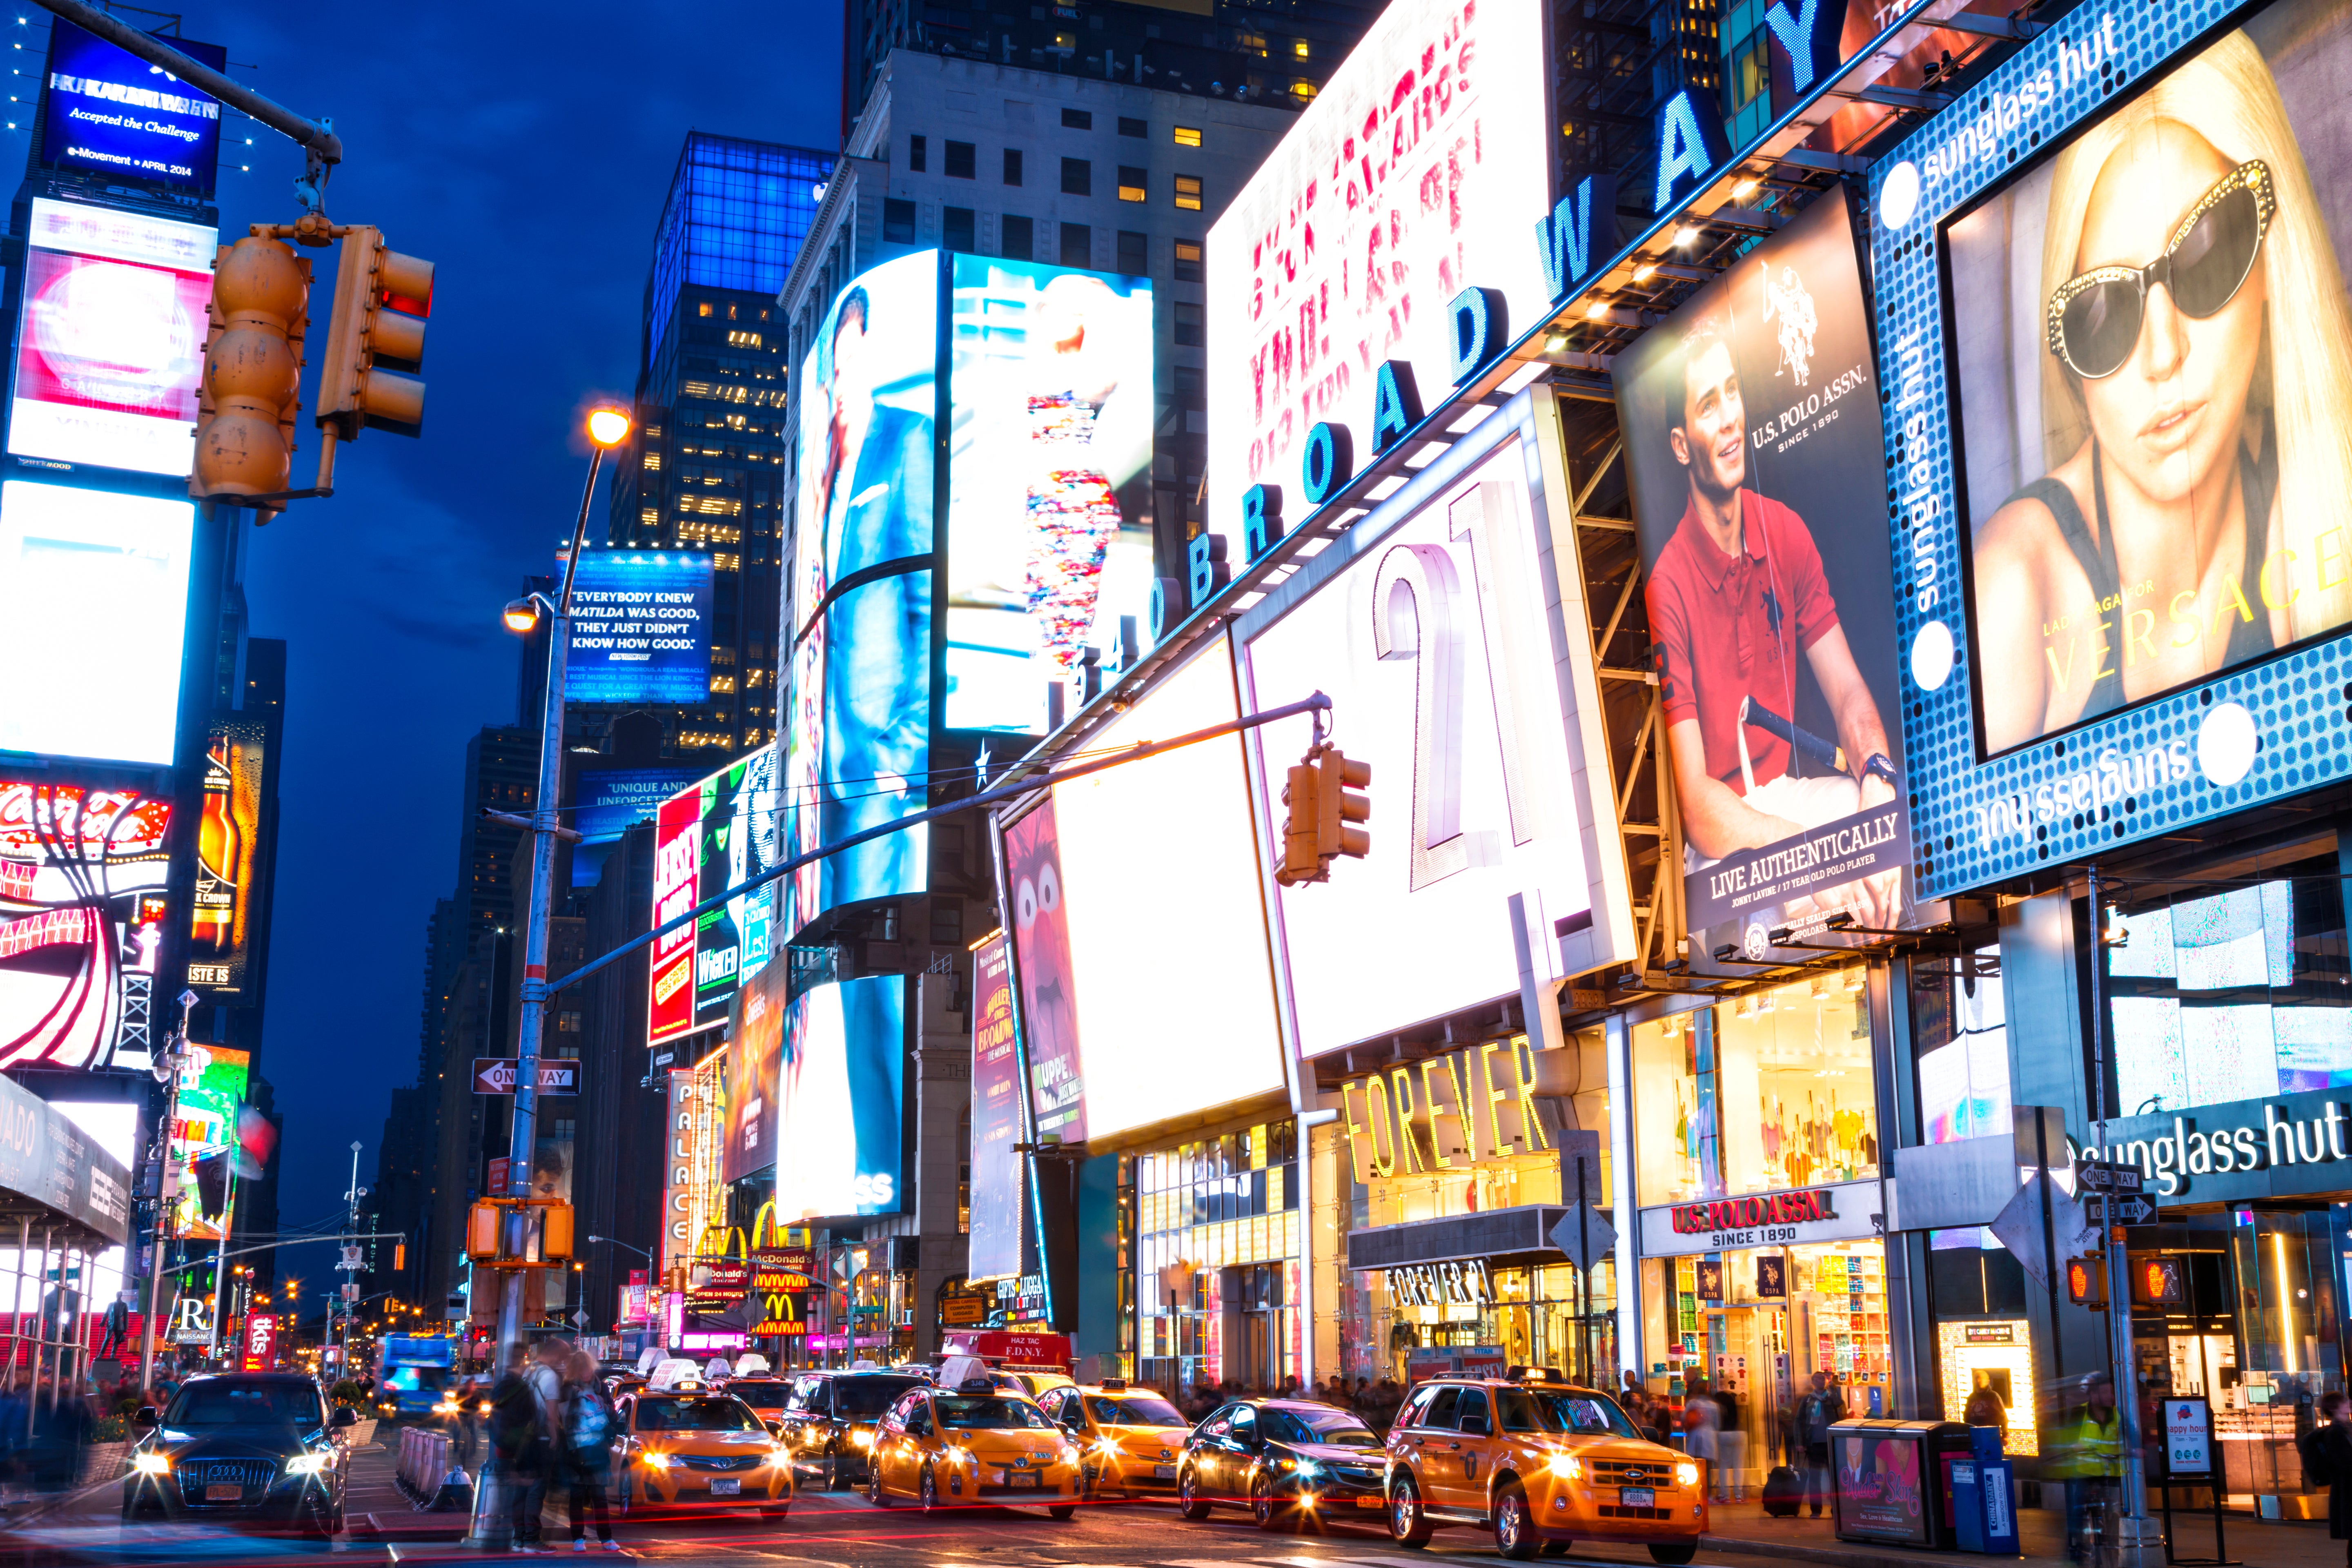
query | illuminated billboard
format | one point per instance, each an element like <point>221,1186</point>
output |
<point>228,856</point>
<point>640,627</point>
<point>839,1095</point>
<point>97,601</point>
<point>213,1086</point>
<point>694,1189</point>
<point>1041,942</point>
<point>1419,171</point>
<point>708,837</point>
<point>107,111</point>
<point>111,340</point>
<point>1754,454</point>
<point>81,909</point>
<point>753,1054</point>
<point>995,1182</point>
<point>1458,654</point>
<point>856,732</point>
<point>2122,582</point>
<point>1049,486</point>
<point>1192,885</point>
<point>607,803</point>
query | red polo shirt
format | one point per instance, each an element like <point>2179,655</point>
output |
<point>1713,617</point>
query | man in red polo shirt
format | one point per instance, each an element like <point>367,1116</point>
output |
<point>1734,595</point>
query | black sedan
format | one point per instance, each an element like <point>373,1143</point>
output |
<point>251,1448</point>
<point>1287,1460</point>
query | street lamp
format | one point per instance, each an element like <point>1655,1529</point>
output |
<point>609,1241</point>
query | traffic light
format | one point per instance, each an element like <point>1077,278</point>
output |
<point>251,387</point>
<point>375,340</point>
<point>2158,1281</point>
<point>399,1257</point>
<point>1300,825</point>
<point>2086,1282</point>
<point>1338,808</point>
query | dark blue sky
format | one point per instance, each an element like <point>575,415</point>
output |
<point>525,149</point>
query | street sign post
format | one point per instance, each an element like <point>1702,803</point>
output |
<point>496,1074</point>
<point>2107,1176</point>
<point>2133,1210</point>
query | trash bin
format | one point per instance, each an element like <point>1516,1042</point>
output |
<point>1890,1480</point>
<point>1984,1511</point>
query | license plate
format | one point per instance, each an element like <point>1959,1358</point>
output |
<point>224,1491</point>
<point>726,1486</point>
<point>1371,1503</point>
<point>1636,1496</point>
<point>1024,1479</point>
<point>1164,1472</point>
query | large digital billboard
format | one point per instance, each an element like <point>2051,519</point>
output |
<point>110,342</point>
<point>640,627</point>
<point>82,912</point>
<point>1457,649</point>
<point>1421,170</point>
<point>213,1086</point>
<point>2114,325</point>
<point>1049,486</point>
<point>995,1180</point>
<point>856,732</point>
<point>1190,883</point>
<point>708,837</point>
<point>607,803</point>
<point>839,1094</point>
<point>754,1055</point>
<point>1753,451</point>
<point>91,642</point>
<point>1041,947</point>
<point>107,111</point>
<point>229,855</point>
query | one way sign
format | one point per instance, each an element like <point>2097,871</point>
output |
<point>2133,1210</point>
<point>496,1074</point>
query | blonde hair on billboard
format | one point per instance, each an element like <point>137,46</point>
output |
<point>2227,95</point>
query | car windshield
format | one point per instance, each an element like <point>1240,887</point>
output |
<point>865,1398</point>
<point>968,1411</point>
<point>1136,1410</point>
<point>761,1395</point>
<point>1335,1426</point>
<point>1584,1415</point>
<point>225,1402</point>
<point>694,1412</point>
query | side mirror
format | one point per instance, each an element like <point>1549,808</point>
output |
<point>1476,1426</point>
<point>145,1417</point>
<point>345,1417</point>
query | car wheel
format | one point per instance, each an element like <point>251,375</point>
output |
<point>1062,1509</point>
<point>931,1490</point>
<point>874,1493</point>
<point>1514,1535</point>
<point>836,1472</point>
<point>1556,1548</point>
<point>1190,1504</point>
<point>1676,1554</point>
<point>1408,1525</point>
<point>1262,1508</point>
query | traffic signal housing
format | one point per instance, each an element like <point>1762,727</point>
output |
<point>251,385</point>
<point>375,340</point>
<point>2086,1282</point>
<point>1339,807</point>
<point>1300,828</point>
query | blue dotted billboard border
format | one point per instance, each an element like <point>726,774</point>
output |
<point>2256,735</point>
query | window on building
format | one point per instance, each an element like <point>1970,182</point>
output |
<point>703,308</point>
<point>897,221</point>
<point>917,154</point>
<point>1138,128</point>
<point>1078,177</point>
<point>1187,136</point>
<point>1131,181</point>
<point>1188,378</point>
<point>1751,70</point>
<point>1298,48</point>
<point>1077,119</point>
<point>1188,191</point>
<point>1077,245</point>
<point>1019,235</point>
<point>1013,165</point>
<point>1188,325</point>
<point>1134,252</point>
<point>963,160</point>
<point>959,228</point>
<point>1188,261</point>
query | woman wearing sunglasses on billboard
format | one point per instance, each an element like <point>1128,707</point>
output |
<point>2199,351</point>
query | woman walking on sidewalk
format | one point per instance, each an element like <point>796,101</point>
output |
<point>587,1459</point>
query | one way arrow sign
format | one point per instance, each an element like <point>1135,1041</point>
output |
<point>496,1074</point>
<point>2134,1210</point>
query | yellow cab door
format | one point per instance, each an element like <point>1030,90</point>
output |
<point>1458,1463</point>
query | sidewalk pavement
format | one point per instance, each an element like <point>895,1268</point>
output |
<point>1746,1530</point>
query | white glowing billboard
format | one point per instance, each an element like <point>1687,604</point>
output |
<point>111,344</point>
<point>1420,171</point>
<point>96,619</point>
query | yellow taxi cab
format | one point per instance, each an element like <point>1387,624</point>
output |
<point>697,1448</point>
<point>974,1444</point>
<point>1541,1463</point>
<point>1129,1439</point>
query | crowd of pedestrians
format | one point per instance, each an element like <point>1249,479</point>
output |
<point>550,1426</point>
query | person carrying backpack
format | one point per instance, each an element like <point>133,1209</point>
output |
<point>586,1463</point>
<point>518,1448</point>
<point>1822,1408</point>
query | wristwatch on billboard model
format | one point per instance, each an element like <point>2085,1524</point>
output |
<point>1883,766</point>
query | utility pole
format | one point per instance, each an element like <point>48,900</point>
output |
<point>348,1265</point>
<point>2139,1544</point>
<point>175,1053</point>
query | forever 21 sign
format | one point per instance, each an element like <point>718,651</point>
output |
<point>1841,1213</point>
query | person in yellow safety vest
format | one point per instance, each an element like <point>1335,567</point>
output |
<point>2087,1454</point>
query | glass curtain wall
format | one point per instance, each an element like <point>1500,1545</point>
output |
<point>1217,1260</point>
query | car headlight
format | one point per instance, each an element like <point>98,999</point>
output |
<point>1107,1448</point>
<point>311,1464</point>
<point>1567,1466</point>
<point>780,1456</point>
<point>861,1439</point>
<point>151,1464</point>
<point>1686,1475</point>
<point>656,1461</point>
<point>1307,1469</point>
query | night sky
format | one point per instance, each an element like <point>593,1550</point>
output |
<point>525,149</point>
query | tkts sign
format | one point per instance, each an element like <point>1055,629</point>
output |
<point>1848,1210</point>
